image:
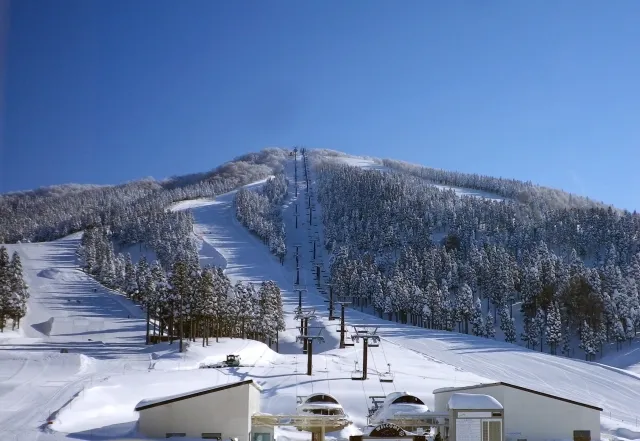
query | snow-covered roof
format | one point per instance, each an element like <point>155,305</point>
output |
<point>473,402</point>
<point>147,404</point>
<point>502,383</point>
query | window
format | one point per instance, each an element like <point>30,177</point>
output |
<point>322,399</point>
<point>260,436</point>
<point>408,399</point>
<point>491,430</point>
<point>325,411</point>
<point>176,435</point>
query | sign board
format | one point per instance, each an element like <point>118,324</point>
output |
<point>474,414</point>
<point>388,430</point>
<point>468,430</point>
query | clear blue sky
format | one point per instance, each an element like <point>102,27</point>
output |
<point>108,91</point>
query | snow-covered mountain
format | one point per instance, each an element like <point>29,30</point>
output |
<point>414,249</point>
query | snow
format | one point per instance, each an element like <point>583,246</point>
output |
<point>461,191</point>
<point>91,392</point>
<point>151,402</point>
<point>473,402</point>
<point>628,358</point>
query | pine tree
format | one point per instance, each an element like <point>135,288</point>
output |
<point>566,340</point>
<point>553,329</point>
<point>19,291</point>
<point>507,325</point>
<point>5,288</point>
<point>179,285</point>
<point>618,333</point>
<point>587,341</point>
<point>489,328</point>
<point>159,308</point>
<point>464,305</point>
<point>477,322</point>
<point>131,279</point>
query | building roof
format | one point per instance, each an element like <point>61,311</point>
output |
<point>513,386</point>
<point>161,401</point>
<point>473,402</point>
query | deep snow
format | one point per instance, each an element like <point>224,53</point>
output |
<point>91,392</point>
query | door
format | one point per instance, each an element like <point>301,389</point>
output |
<point>492,430</point>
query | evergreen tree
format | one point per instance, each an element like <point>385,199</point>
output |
<point>489,328</point>
<point>553,330</point>
<point>477,322</point>
<point>507,325</point>
<point>587,341</point>
<point>5,288</point>
<point>566,341</point>
<point>18,289</point>
<point>131,279</point>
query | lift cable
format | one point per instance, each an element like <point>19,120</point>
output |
<point>389,366</point>
<point>377,371</point>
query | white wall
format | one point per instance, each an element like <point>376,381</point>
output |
<point>534,417</point>
<point>539,418</point>
<point>226,412</point>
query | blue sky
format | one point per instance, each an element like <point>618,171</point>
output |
<point>109,91</point>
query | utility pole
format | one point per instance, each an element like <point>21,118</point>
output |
<point>342,329</point>
<point>304,314</point>
<point>308,341</point>
<point>365,333</point>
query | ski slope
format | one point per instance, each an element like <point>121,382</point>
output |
<point>616,391</point>
<point>90,392</point>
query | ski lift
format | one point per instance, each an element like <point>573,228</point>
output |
<point>374,343</point>
<point>357,374</point>
<point>386,377</point>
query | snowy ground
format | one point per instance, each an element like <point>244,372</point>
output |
<point>90,392</point>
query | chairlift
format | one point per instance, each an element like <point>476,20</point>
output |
<point>374,343</point>
<point>386,377</point>
<point>357,374</point>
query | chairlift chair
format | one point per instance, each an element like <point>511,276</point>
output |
<point>357,374</point>
<point>386,377</point>
<point>374,343</point>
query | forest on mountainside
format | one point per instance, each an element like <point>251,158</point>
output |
<point>261,213</point>
<point>432,258</point>
<point>182,298</point>
<point>174,291</point>
<point>132,210</point>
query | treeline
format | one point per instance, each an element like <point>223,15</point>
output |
<point>525,192</point>
<point>183,300</point>
<point>427,257</point>
<point>54,212</point>
<point>13,290</point>
<point>261,213</point>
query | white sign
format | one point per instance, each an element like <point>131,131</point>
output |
<point>474,414</point>
<point>468,430</point>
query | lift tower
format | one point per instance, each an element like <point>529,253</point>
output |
<point>304,314</point>
<point>342,329</point>
<point>365,333</point>
<point>308,339</point>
